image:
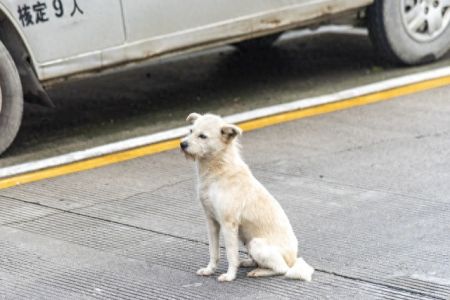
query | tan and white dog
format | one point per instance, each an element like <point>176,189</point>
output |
<point>237,204</point>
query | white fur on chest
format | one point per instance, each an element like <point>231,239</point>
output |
<point>212,197</point>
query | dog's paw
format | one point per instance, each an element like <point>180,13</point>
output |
<point>205,272</point>
<point>226,277</point>
<point>260,272</point>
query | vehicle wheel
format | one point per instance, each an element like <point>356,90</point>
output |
<point>410,31</point>
<point>264,42</point>
<point>11,99</point>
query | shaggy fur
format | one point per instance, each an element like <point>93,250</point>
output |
<point>238,205</point>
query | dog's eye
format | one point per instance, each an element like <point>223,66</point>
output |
<point>190,130</point>
<point>202,136</point>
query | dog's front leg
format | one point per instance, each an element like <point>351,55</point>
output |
<point>213,235</point>
<point>230,234</point>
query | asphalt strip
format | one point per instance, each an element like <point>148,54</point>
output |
<point>249,120</point>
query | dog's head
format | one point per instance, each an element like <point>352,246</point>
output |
<point>209,136</point>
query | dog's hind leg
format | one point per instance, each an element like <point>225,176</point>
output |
<point>268,258</point>
<point>247,263</point>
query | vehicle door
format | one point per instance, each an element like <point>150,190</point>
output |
<point>58,30</point>
<point>159,25</point>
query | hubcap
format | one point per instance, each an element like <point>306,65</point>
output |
<point>425,20</point>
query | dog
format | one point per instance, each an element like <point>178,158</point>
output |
<point>239,206</point>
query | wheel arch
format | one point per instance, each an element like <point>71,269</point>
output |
<point>15,42</point>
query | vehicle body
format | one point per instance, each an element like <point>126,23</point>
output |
<point>54,40</point>
<point>99,35</point>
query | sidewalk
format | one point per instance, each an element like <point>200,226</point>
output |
<point>366,189</point>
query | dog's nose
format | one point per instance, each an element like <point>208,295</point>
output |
<point>183,145</point>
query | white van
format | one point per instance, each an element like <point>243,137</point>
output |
<point>43,42</point>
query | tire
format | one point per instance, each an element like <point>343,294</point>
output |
<point>260,43</point>
<point>388,30</point>
<point>11,101</point>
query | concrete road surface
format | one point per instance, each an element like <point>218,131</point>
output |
<point>367,191</point>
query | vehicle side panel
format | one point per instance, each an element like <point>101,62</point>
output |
<point>59,29</point>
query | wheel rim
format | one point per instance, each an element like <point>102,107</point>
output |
<point>425,20</point>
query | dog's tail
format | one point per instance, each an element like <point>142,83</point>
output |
<point>300,270</point>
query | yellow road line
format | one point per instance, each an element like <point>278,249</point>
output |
<point>345,104</point>
<point>247,126</point>
<point>88,164</point>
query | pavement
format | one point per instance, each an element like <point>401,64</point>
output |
<point>366,190</point>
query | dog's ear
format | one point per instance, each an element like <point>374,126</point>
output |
<point>230,131</point>
<point>192,117</point>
